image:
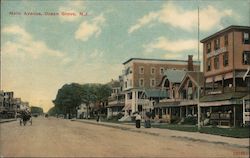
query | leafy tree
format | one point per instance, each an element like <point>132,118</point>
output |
<point>70,96</point>
<point>36,110</point>
<point>54,111</point>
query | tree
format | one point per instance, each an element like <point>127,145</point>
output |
<point>54,111</point>
<point>36,110</point>
<point>68,98</point>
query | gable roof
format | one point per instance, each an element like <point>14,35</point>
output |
<point>196,77</point>
<point>174,76</point>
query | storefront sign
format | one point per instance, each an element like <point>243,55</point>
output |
<point>216,52</point>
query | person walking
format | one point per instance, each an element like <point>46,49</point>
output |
<point>138,120</point>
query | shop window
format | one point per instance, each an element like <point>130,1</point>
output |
<point>246,58</point>
<point>225,59</point>
<point>245,38</point>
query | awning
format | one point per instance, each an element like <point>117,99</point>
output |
<point>156,93</point>
<point>222,97</point>
<point>216,103</point>
<point>167,104</point>
<point>127,107</point>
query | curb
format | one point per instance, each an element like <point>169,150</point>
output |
<point>157,134</point>
<point>5,121</point>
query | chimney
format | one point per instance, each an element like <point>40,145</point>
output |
<point>190,63</point>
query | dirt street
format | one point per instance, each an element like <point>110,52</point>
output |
<point>52,137</point>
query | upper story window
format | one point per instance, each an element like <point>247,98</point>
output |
<point>130,83</point>
<point>226,40</point>
<point>141,82</point>
<point>152,82</point>
<point>216,62</point>
<point>225,59</point>
<point>162,71</point>
<point>245,38</point>
<point>208,47</point>
<point>246,58</point>
<point>152,70</point>
<point>141,70</point>
<point>216,43</point>
<point>126,84</point>
<point>208,64</point>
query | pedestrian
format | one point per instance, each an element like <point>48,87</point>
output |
<point>98,118</point>
<point>138,120</point>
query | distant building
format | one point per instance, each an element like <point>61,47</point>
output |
<point>226,58</point>
<point>116,101</point>
<point>141,77</point>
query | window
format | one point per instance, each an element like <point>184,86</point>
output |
<point>246,58</point>
<point>225,59</point>
<point>152,82</point>
<point>245,38</point>
<point>208,64</point>
<point>226,40</point>
<point>209,47</point>
<point>141,82</point>
<point>152,70</point>
<point>216,62</point>
<point>126,84</point>
<point>130,83</point>
<point>161,71</point>
<point>216,44</point>
<point>141,70</point>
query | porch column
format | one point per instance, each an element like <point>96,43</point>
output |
<point>180,112</point>
<point>234,110</point>
<point>193,111</point>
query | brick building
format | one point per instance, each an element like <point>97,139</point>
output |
<point>226,58</point>
<point>141,77</point>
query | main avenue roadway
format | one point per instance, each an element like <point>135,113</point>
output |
<point>54,137</point>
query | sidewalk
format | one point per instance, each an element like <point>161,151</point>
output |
<point>7,120</point>
<point>173,134</point>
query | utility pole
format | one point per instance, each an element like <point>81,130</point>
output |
<point>198,93</point>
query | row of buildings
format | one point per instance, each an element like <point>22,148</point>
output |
<point>10,106</point>
<point>175,89</point>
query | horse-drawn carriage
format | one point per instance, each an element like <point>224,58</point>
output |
<point>25,116</point>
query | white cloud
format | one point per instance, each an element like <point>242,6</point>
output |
<point>88,29</point>
<point>96,54</point>
<point>24,44</point>
<point>185,19</point>
<point>165,44</point>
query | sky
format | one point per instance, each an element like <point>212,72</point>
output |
<point>41,53</point>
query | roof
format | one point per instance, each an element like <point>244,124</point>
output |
<point>232,27</point>
<point>154,93</point>
<point>174,76</point>
<point>167,104</point>
<point>247,97</point>
<point>195,77</point>
<point>221,97</point>
<point>167,60</point>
